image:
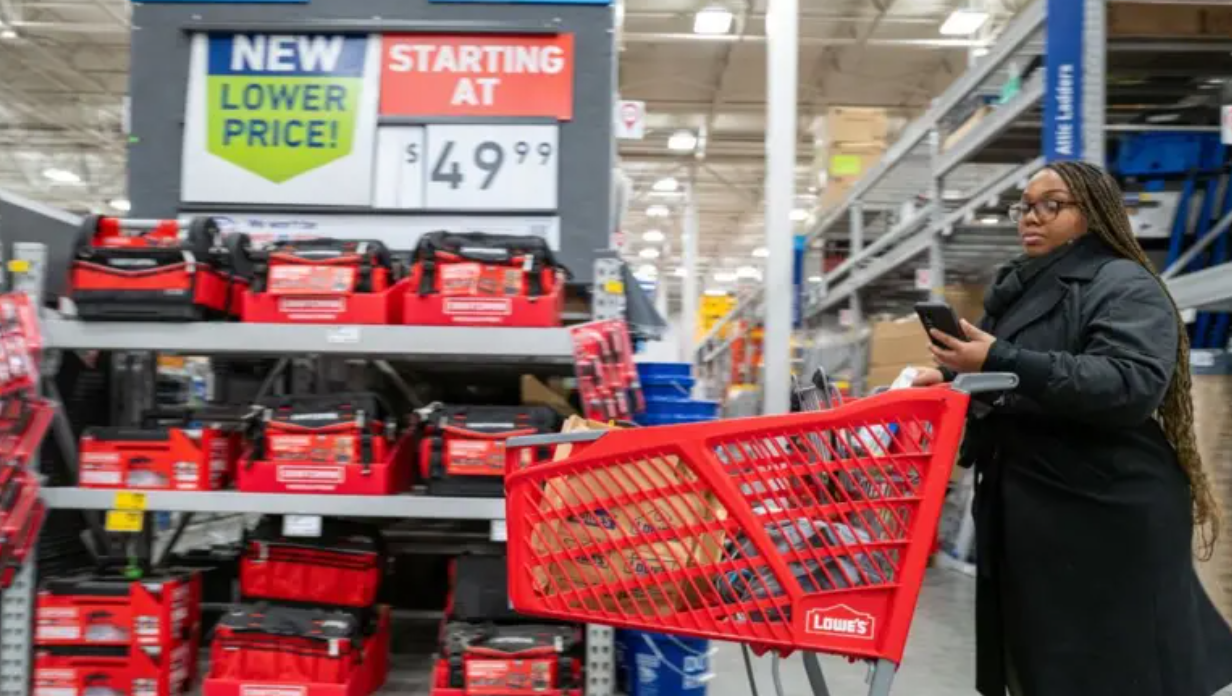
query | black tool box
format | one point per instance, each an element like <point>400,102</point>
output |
<point>462,448</point>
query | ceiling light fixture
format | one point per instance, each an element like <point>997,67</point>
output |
<point>814,279</point>
<point>963,22</point>
<point>649,253</point>
<point>658,211</point>
<point>8,34</point>
<point>62,176</point>
<point>725,277</point>
<point>666,185</point>
<point>679,272</point>
<point>990,220</point>
<point>120,204</point>
<point>682,141</point>
<point>760,253</point>
<point>715,292</point>
<point>713,21</point>
<point>748,273</point>
<point>799,215</point>
<point>647,270</point>
<point>653,237</point>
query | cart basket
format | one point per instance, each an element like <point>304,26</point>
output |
<point>808,531</point>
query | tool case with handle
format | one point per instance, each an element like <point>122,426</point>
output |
<point>153,270</point>
<point>484,279</point>
<point>343,567</point>
<point>315,281</point>
<point>99,608</point>
<point>338,443</point>
<point>22,513</point>
<point>161,458</point>
<point>504,660</point>
<point>113,670</point>
<point>462,448</point>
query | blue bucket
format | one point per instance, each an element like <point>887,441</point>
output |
<point>692,408</point>
<point>659,665</point>
<point>669,391</point>
<point>665,373</point>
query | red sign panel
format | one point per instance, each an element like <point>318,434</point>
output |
<point>477,75</point>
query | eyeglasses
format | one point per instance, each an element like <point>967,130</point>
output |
<point>1046,210</point>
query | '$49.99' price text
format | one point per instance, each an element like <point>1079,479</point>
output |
<point>497,167</point>
<point>488,157</point>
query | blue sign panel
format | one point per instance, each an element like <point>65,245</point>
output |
<point>799,249</point>
<point>1063,92</point>
<point>216,2</point>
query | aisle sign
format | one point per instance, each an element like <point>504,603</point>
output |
<point>274,118</point>
<point>477,75</point>
<point>1064,88</point>
<point>491,167</point>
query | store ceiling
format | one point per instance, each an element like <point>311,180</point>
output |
<point>64,74</point>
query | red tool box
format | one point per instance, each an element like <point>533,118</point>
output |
<point>278,651</point>
<point>165,458</point>
<point>462,448</point>
<point>151,270</point>
<point>113,671</point>
<point>92,609</point>
<point>318,281</point>
<point>340,443</point>
<point>506,660</point>
<point>342,567</point>
<point>483,280</point>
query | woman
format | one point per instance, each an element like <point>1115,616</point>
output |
<point>1090,482</point>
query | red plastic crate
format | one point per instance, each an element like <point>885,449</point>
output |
<point>172,459</point>
<point>373,668</point>
<point>340,575</point>
<point>392,475</point>
<point>92,610</point>
<point>76,671</point>
<point>440,309</point>
<point>325,308</point>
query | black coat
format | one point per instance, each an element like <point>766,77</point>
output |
<point>1086,576</point>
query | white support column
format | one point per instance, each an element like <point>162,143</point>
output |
<point>1094,83</point>
<point>936,256</point>
<point>782,26</point>
<point>691,285</point>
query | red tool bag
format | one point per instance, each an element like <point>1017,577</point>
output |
<point>150,270</point>
<point>342,567</point>
<point>288,645</point>
<point>166,458</point>
<point>489,279</point>
<point>462,448</point>
<point>95,609</point>
<point>21,519</point>
<point>356,428</point>
<point>318,281</point>
<point>502,660</point>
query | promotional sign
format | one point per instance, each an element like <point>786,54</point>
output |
<point>1063,92</point>
<point>630,120</point>
<point>467,167</point>
<point>275,118</point>
<point>477,75</point>
<point>398,232</point>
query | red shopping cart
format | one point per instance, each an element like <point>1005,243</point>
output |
<point>808,531</point>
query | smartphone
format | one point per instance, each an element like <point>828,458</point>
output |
<point>940,316</point>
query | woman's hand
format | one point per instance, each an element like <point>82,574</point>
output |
<point>927,377</point>
<point>963,356</point>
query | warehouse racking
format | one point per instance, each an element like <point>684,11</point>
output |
<point>924,215</point>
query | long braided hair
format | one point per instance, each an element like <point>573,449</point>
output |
<point>1099,197</point>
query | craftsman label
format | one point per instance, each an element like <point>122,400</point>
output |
<point>313,475</point>
<point>840,620</point>
<point>478,310</point>
<point>281,118</point>
<point>311,280</point>
<point>477,75</point>
<point>476,457</point>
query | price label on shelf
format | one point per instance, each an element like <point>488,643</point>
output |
<point>129,500</point>
<point>490,167</point>
<point>124,521</point>
<point>499,531</point>
<point>303,526</point>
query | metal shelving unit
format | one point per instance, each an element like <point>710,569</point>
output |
<point>391,506</point>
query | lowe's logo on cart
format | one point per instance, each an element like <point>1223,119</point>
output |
<point>840,620</point>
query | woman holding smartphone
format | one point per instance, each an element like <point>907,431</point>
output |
<point>1090,485</point>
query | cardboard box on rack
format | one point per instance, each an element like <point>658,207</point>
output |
<point>967,126</point>
<point>644,536</point>
<point>898,342</point>
<point>848,124</point>
<point>1154,21</point>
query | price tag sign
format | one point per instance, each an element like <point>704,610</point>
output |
<point>490,167</point>
<point>499,531</point>
<point>343,335</point>
<point>399,168</point>
<point>302,526</point>
<point>130,501</point>
<point>124,521</point>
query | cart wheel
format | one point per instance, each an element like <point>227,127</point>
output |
<point>203,235</point>
<point>85,235</point>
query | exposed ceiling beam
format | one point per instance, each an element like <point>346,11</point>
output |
<point>682,37</point>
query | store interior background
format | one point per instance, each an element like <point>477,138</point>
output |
<point>700,69</point>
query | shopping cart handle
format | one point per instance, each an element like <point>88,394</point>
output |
<point>983,383</point>
<point>554,439</point>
